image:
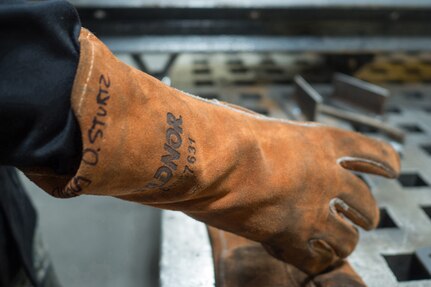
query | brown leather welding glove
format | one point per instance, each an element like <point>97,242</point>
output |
<point>287,185</point>
<point>240,262</point>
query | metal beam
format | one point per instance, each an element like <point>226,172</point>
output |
<point>208,44</point>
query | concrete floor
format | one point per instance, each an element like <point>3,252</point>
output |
<point>99,241</point>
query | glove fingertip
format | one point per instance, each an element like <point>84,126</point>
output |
<point>370,166</point>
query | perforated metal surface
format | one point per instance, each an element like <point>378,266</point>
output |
<point>404,199</point>
<point>386,256</point>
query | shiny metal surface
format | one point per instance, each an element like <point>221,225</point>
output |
<point>208,44</point>
<point>186,259</point>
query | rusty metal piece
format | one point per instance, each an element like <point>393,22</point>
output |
<point>311,103</point>
<point>359,94</point>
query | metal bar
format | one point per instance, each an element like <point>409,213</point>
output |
<point>140,63</point>
<point>392,132</point>
<point>366,96</point>
<point>208,44</point>
<point>160,74</point>
<point>311,103</point>
<point>307,98</point>
<point>166,67</point>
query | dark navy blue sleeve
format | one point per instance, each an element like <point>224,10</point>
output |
<point>39,53</point>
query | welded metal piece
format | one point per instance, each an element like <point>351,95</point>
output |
<point>186,259</point>
<point>311,103</point>
<point>308,98</point>
<point>366,96</point>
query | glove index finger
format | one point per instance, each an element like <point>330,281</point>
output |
<point>357,152</point>
<point>367,166</point>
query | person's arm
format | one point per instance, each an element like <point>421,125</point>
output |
<point>39,53</point>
